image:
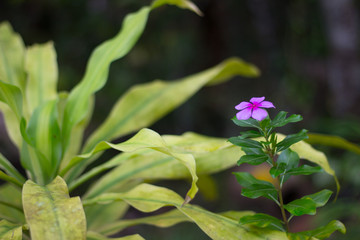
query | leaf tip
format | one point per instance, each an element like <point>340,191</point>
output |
<point>186,201</point>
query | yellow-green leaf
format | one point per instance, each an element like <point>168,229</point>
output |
<point>10,231</point>
<point>163,220</point>
<point>12,52</point>
<point>51,213</point>
<point>146,139</point>
<point>97,69</point>
<point>309,153</point>
<point>96,236</point>
<point>42,72</point>
<point>148,198</point>
<point>12,96</point>
<point>10,204</point>
<point>211,154</point>
<point>333,141</point>
<point>144,104</point>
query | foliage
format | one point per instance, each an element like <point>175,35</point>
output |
<point>48,126</point>
<point>284,163</point>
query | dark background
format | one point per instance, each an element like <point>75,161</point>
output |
<point>307,51</point>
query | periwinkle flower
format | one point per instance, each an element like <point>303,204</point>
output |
<point>253,109</point>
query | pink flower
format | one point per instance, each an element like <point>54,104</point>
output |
<point>253,109</point>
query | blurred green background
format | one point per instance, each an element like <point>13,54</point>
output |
<point>307,51</point>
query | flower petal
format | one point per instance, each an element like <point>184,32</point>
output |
<point>257,99</point>
<point>259,114</point>
<point>244,114</point>
<point>266,104</point>
<point>242,105</point>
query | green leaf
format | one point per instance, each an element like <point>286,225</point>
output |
<point>97,236</point>
<point>281,120</point>
<point>320,198</point>
<point>10,204</point>
<point>333,141</point>
<point>320,232</point>
<point>12,124</point>
<point>148,198</point>
<point>304,170</point>
<point>254,159</point>
<point>51,213</point>
<point>31,160</point>
<point>12,52</point>
<point>278,170</point>
<point>247,143</point>
<point>252,151</point>
<point>302,206</point>
<point>260,190</point>
<point>326,231</point>
<point>99,216</point>
<point>144,104</point>
<point>9,230</point>
<point>287,160</point>
<point>12,96</point>
<point>247,180</point>
<point>247,123</point>
<point>45,136</point>
<point>10,169</point>
<point>42,73</point>
<point>254,188</point>
<point>77,133</point>
<point>263,220</point>
<point>250,134</point>
<point>290,158</point>
<point>291,139</point>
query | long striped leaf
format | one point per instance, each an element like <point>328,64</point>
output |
<point>211,155</point>
<point>148,198</point>
<point>12,52</point>
<point>98,68</point>
<point>42,72</point>
<point>10,169</point>
<point>333,141</point>
<point>98,216</point>
<point>12,96</point>
<point>146,139</point>
<point>12,109</point>
<point>51,213</point>
<point>10,204</point>
<point>43,132</point>
<point>99,63</point>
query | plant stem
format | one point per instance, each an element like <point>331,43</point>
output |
<point>282,208</point>
<point>279,188</point>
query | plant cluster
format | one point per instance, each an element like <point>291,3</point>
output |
<point>263,145</point>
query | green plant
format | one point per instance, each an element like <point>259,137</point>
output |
<point>284,163</point>
<point>47,128</point>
